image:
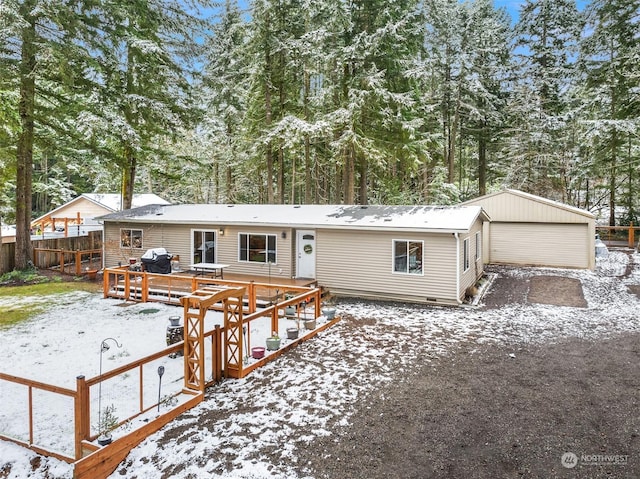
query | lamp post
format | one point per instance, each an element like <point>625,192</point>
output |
<point>160,373</point>
<point>104,346</point>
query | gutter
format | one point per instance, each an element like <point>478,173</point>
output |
<point>457,268</point>
<point>216,221</point>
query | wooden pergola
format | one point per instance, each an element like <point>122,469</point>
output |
<point>195,307</point>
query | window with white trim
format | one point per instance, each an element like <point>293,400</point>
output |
<point>257,248</point>
<point>130,238</point>
<point>478,245</point>
<point>408,256</point>
<point>465,254</point>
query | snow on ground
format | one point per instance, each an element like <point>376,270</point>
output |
<point>251,428</point>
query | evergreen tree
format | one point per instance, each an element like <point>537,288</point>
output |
<point>140,81</point>
<point>39,52</point>
<point>548,34</point>
<point>610,56</point>
<point>225,87</point>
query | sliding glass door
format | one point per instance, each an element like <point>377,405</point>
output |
<point>204,246</point>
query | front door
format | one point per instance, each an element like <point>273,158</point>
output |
<point>306,248</point>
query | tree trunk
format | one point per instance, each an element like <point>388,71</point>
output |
<point>349,176</point>
<point>24,153</point>
<point>128,178</point>
<point>482,160</point>
<point>363,192</point>
<point>230,190</point>
<point>267,121</point>
<point>307,142</point>
<point>612,180</point>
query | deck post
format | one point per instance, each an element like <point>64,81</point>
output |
<point>631,235</point>
<point>252,297</point>
<point>78,263</point>
<point>82,414</point>
<point>318,306</point>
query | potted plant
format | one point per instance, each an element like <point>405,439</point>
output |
<point>329,313</point>
<point>310,324</point>
<point>273,343</point>
<point>292,333</point>
<point>108,422</point>
<point>291,309</point>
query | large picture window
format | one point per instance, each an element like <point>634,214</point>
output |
<point>407,256</point>
<point>257,248</point>
<point>130,238</point>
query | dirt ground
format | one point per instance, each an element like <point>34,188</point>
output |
<point>488,414</point>
<point>499,412</point>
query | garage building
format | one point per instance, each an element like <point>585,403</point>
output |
<point>526,229</point>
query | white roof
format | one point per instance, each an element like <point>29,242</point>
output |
<point>112,201</point>
<point>408,218</point>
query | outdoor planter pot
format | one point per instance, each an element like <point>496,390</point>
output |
<point>310,324</point>
<point>292,333</point>
<point>290,310</point>
<point>273,344</point>
<point>104,439</point>
<point>257,352</point>
<point>330,313</point>
<point>174,320</point>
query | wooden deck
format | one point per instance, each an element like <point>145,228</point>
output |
<point>169,288</point>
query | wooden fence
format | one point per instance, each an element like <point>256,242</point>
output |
<point>619,235</point>
<point>68,261</point>
<point>81,396</point>
<point>93,462</point>
<point>93,241</point>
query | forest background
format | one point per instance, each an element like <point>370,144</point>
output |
<point>308,101</point>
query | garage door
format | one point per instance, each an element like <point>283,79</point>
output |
<point>540,244</point>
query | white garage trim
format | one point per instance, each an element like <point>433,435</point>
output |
<point>539,244</point>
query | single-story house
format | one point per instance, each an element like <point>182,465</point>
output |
<point>410,253</point>
<point>84,208</point>
<point>526,229</point>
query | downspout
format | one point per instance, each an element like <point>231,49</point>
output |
<point>457,267</point>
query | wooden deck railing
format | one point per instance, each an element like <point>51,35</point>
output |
<point>123,283</point>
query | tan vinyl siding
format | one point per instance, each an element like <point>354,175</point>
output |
<point>228,252</point>
<point>87,209</point>
<point>476,268</point>
<point>511,207</point>
<point>177,240</point>
<point>559,245</point>
<point>360,264</point>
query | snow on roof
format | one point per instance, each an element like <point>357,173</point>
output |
<point>112,201</point>
<point>419,218</point>
<point>533,197</point>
